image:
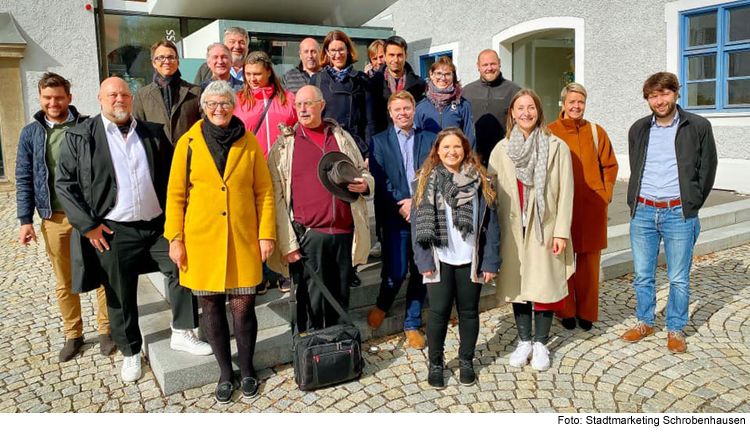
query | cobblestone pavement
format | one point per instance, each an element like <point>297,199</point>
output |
<point>591,371</point>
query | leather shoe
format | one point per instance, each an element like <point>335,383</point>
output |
<point>224,391</point>
<point>106,344</point>
<point>415,339</point>
<point>676,341</point>
<point>569,323</point>
<point>435,374</point>
<point>249,387</point>
<point>585,324</point>
<point>466,374</point>
<point>375,317</point>
<point>71,348</point>
<point>354,280</point>
<point>639,331</point>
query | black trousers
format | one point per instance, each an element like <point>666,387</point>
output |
<point>542,322</point>
<point>330,256</point>
<point>137,248</point>
<point>455,286</point>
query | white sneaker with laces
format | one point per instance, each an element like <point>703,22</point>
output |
<point>521,355</point>
<point>131,368</point>
<point>540,359</point>
<point>376,250</point>
<point>184,340</point>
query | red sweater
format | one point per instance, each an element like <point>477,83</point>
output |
<point>314,207</point>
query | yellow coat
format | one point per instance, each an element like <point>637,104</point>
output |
<point>225,217</point>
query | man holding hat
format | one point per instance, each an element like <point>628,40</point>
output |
<point>320,183</point>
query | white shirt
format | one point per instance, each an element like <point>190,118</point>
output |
<point>136,198</point>
<point>459,251</point>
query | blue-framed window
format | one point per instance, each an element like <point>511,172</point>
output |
<point>426,61</point>
<point>715,58</point>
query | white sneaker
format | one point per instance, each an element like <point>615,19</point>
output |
<point>185,340</point>
<point>540,359</point>
<point>376,250</point>
<point>131,368</point>
<point>521,355</point>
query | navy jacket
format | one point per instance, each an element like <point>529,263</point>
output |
<point>32,190</point>
<point>413,84</point>
<point>350,103</point>
<point>387,167</point>
<point>428,118</point>
<point>486,251</point>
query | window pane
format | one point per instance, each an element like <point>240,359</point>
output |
<point>739,64</point>
<point>702,29</point>
<point>738,24</point>
<point>739,91</point>
<point>701,94</point>
<point>702,67</point>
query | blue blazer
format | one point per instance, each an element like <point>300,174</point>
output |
<point>387,167</point>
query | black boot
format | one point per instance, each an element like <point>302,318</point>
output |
<point>585,324</point>
<point>435,374</point>
<point>569,323</point>
<point>466,376</point>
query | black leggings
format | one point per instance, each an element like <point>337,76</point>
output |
<point>217,331</point>
<point>542,322</point>
<point>455,286</point>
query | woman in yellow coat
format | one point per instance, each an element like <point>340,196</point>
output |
<point>220,222</point>
<point>534,181</point>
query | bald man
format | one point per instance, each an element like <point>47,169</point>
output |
<point>112,183</point>
<point>309,64</point>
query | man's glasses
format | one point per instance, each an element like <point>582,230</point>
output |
<point>211,105</point>
<point>165,58</point>
<point>303,104</point>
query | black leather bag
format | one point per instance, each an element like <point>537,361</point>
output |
<point>328,356</point>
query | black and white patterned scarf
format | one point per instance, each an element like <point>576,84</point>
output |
<point>339,75</point>
<point>455,189</point>
<point>530,158</point>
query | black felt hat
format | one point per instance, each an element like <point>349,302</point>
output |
<point>336,171</point>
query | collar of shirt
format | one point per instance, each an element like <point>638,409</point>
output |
<point>237,74</point>
<point>403,133</point>
<point>111,126</point>
<point>51,124</point>
<point>674,122</point>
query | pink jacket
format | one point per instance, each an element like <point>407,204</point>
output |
<point>269,130</point>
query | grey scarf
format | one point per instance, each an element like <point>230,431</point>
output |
<point>455,189</point>
<point>530,158</point>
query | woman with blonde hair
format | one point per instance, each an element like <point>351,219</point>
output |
<point>455,237</point>
<point>534,180</point>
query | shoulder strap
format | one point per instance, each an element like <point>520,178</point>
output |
<point>263,115</point>
<point>187,172</point>
<point>594,130</point>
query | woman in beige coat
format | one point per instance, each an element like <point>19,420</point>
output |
<point>534,181</point>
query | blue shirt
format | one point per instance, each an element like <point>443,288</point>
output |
<point>235,84</point>
<point>237,74</point>
<point>660,179</point>
<point>406,144</point>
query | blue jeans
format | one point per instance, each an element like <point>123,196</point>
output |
<point>648,228</point>
<point>398,258</point>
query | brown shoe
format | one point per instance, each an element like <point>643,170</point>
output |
<point>106,344</point>
<point>71,348</point>
<point>375,318</point>
<point>639,331</point>
<point>676,341</point>
<point>415,339</point>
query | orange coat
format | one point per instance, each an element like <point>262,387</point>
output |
<point>594,181</point>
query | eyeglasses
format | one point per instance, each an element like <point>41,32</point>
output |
<point>442,74</point>
<point>164,58</point>
<point>226,105</point>
<point>336,51</point>
<point>301,105</point>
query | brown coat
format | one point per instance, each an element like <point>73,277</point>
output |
<point>594,181</point>
<point>148,105</point>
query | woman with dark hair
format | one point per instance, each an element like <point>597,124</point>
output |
<point>533,176</point>
<point>346,90</point>
<point>442,105</point>
<point>455,238</point>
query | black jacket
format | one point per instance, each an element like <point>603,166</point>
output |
<point>413,84</point>
<point>696,160</point>
<point>489,109</point>
<point>86,185</point>
<point>350,103</point>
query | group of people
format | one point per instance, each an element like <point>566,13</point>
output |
<point>217,184</point>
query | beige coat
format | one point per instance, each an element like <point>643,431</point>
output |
<point>280,166</point>
<point>530,272</point>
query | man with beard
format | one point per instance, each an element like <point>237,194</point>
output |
<point>394,75</point>
<point>673,166</point>
<point>489,97</point>
<point>309,65</point>
<point>112,183</point>
<point>236,40</point>
<point>168,100</point>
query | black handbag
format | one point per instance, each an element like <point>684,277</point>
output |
<point>326,356</point>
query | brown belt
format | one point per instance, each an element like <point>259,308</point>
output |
<point>660,204</point>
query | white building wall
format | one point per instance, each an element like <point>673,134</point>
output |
<point>60,37</point>
<point>624,43</point>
